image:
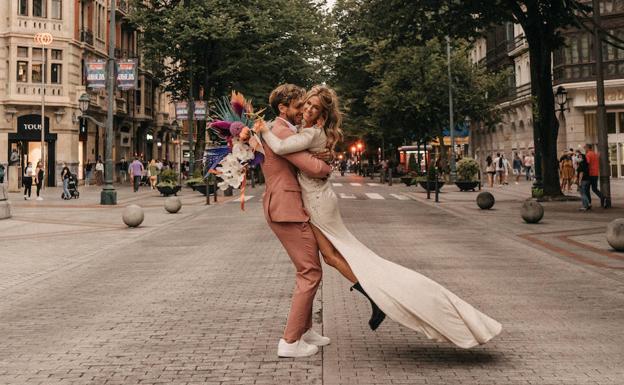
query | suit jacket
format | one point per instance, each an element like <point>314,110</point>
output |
<point>282,198</point>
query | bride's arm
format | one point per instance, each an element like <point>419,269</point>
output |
<point>294,143</point>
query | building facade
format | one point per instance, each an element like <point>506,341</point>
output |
<point>80,34</point>
<point>574,69</point>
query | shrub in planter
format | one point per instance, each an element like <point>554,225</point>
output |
<point>467,172</point>
<point>168,184</point>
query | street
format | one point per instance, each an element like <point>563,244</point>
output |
<point>201,297</point>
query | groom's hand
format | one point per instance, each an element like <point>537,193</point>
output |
<point>327,156</point>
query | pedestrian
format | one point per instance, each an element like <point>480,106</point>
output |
<point>99,172</point>
<point>574,155</point>
<point>584,181</point>
<point>65,175</point>
<point>136,173</point>
<point>566,171</point>
<point>490,170</point>
<point>593,162</point>
<point>517,167</point>
<point>39,179</point>
<point>123,170</point>
<point>528,165</point>
<point>28,181</point>
<point>152,170</point>
<point>88,172</point>
<point>1,173</point>
<point>501,168</point>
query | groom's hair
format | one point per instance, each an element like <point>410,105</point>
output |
<point>284,94</point>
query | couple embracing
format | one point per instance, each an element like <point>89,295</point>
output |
<point>302,210</point>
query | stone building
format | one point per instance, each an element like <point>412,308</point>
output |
<point>573,69</point>
<point>80,34</point>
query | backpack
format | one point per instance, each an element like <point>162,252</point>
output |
<point>500,162</point>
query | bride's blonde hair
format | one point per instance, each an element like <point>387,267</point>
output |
<point>331,113</point>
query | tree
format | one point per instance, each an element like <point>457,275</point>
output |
<point>541,21</point>
<point>249,45</point>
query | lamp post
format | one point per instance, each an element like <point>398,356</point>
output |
<point>451,123</point>
<point>108,196</point>
<point>359,155</point>
<point>178,133</point>
<point>44,39</point>
<point>561,97</point>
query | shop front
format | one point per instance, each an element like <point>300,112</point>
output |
<point>26,142</point>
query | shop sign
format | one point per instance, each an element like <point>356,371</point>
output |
<point>96,74</point>
<point>29,127</point>
<point>127,74</point>
<point>200,110</point>
<point>612,96</point>
<point>181,109</point>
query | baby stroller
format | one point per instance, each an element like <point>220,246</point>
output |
<point>72,187</point>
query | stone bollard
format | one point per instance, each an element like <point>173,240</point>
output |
<point>532,212</point>
<point>5,206</point>
<point>174,204</point>
<point>615,234</point>
<point>133,216</point>
<point>485,200</point>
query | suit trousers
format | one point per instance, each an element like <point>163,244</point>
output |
<point>300,244</point>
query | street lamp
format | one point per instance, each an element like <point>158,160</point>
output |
<point>561,96</point>
<point>83,103</point>
<point>176,128</point>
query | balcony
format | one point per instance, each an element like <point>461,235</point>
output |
<point>584,72</point>
<point>86,36</point>
<point>122,6</point>
<point>517,46</point>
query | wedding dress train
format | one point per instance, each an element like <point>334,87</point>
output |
<point>404,295</point>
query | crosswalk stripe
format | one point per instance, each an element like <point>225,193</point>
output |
<point>400,197</point>
<point>337,184</point>
<point>347,196</point>
<point>374,196</point>
<point>373,184</point>
<point>356,184</point>
<point>247,197</point>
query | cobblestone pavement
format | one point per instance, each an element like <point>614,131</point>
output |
<point>201,296</point>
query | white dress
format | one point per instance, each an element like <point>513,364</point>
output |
<point>404,295</point>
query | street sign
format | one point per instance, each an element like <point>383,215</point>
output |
<point>44,38</point>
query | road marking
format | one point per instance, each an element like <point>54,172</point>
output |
<point>373,184</point>
<point>347,196</point>
<point>337,184</point>
<point>400,197</point>
<point>355,184</point>
<point>247,197</point>
<point>374,196</point>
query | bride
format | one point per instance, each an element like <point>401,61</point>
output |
<point>404,295</point>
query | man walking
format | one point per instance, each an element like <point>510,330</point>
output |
<point>593,161</point>
<point>286,216</point>
<point>136,170</point>
<point>123,170</point>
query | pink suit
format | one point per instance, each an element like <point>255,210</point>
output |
<point>284,212</point>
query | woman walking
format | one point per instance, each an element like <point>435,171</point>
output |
<point>39,179</point>
<point>99,172</point>
<point>517,167</point>
<point>28,181</point>
<point>490,170</point>
<point>566,171</point>
<point>153,173</point>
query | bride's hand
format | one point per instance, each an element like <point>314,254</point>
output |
<point>320,122</point>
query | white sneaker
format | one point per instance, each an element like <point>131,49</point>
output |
<point>296,349</point>
<point>312,337</point>
<point>39,198</point>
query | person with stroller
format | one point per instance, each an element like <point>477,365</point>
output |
<point>65,175</point>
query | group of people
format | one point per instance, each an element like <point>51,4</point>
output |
<point>33,176</point>
<point>586,170</point>
<point>94,170</point>
<point>499,168</point>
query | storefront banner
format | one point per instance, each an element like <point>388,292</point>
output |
<point>127,74</point>
<point>181,109</point>
<point>200,110</point>
<point>96,74</point>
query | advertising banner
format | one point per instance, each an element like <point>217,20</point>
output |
<point>181,109</point>
<point>200,110</point>
<point>127,74</point>
<point>96,74</point>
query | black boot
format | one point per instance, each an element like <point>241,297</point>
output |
<point>378,315</point>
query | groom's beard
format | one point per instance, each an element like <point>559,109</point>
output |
<point>294,119</point>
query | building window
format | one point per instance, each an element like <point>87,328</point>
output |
<point>57,54</point>
<point>57,8</point>
<point>39,8</point>
<point>22,52</point>
<point>36,73</point>
<point>22,7</point>
<point>37,54</point>
<point>611,123</point>
<point>22,71</point>
<point>55,73</point>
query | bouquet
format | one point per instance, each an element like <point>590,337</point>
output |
<point>235,124</point>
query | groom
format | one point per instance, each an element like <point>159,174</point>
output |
<point>285,214</point>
